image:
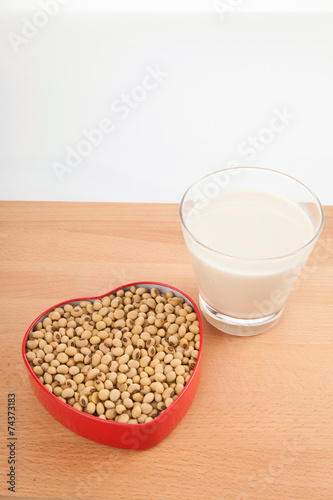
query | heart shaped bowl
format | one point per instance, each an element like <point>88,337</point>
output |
<point>109,432</point>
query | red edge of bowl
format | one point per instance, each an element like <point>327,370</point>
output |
<point>108,432</point>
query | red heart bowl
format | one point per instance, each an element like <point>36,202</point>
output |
<point>109,432</point>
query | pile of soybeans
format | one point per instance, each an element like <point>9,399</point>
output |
<point>124,357</point>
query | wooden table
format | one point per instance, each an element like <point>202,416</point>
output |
<point>261,424</point>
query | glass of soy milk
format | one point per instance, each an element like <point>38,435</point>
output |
<point>249,232</point>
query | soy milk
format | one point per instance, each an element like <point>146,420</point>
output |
<point>242,233</point>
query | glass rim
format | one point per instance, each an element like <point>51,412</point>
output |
<point>246,259</point>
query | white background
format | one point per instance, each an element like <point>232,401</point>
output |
<point>230,66</point>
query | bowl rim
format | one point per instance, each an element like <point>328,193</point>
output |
<point>93,418</point>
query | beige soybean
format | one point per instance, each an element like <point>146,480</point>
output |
<point>104,394</point>
<point>120,409</point>
<point>61,379</point>
<point>158,387</point>
<point>146,408</point>
<point>121,379</point>
<point>67,393</point>
<point>92,373</point>
<point>90,408</point>
<point>71,384</point>
<point>148,398</point>
<point>136,412</point>
<point>117,351</point>
<point>124,418</point>
<point>114,395</point>
<point>128,403</point>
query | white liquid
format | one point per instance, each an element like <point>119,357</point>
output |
<point>248,225</point>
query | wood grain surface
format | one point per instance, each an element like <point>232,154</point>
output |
<point>261,424</point>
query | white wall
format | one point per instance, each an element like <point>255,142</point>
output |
<point>228,67</point>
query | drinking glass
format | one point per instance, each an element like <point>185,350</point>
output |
<point>246,296</point>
